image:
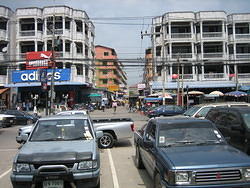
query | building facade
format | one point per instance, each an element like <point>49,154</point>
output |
<point>31,30</point>
<point>205,50</point>
<point>109,71</point>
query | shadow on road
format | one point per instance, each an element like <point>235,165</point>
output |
<point>123,143</point>
<point>147,181</point>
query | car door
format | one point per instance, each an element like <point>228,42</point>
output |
<point>218,117</point>
<point>149,153</point>
<point>235,129</point>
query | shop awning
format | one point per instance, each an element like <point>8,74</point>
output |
<point>3,90</point>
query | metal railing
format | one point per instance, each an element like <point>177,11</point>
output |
<point>212,34</point>
<point>213,55</point>
<point>214,75</point>
<point>242,36</point>
<point>243,56</point>
<point>181,55</point>
<point>243,75</point>
<point>181,35</point>
<point>57,32</point>
<point>27,33</point>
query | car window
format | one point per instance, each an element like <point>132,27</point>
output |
<point>150,131</point>
<point>61,130</point>
<point>233,119</point>
<point>203,112</point>
<point>246,119</point>
<point>191,111</point>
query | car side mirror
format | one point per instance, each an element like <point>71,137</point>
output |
<point>22,138</point>
<point>99,134</point>
<point>237,128</point>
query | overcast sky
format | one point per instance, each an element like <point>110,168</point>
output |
<point>125,39</point>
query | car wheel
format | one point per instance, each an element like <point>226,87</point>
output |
<point>29,122</point>
<point>106,141</point>
<point>157,181</point>
<point>138,161</point>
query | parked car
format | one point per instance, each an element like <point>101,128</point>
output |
<point>21,117</point>
<point>73,112</point>
<point>234,124</point>
<point>114,130</point>
<point>165,110</point>
<point>61,151</point>
<point>200,111</point>
<point>6,120</point>
<point>189,152</point>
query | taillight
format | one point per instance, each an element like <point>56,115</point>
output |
<point>132,126</point>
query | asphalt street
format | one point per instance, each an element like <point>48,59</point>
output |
<point>117,164</point>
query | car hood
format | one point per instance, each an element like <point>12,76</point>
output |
<point>56,151</point>
<point>211,156</point>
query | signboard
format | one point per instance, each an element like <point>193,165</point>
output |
<point>113,88</point>
<point>141,86</point>
<point>38,60</point>
<point>33,75</point>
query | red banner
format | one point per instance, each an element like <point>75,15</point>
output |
<point>38,60</point>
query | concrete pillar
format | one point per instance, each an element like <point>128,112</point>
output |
<point>202,46</point>
<point>170,50</point>
<point>234,44</point>
<point>45,45</point>
<point>169,29</point>
<point>233,31</point>
<point>45,27</point>
<point>35,45</point>
<point>63,24</point>
<point>193,50</point>
<point>36,27</point>
<point>192,29</point>
<point>201,29</point>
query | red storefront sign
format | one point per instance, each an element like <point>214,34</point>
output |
<point>38,60</point>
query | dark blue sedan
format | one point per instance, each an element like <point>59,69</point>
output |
<point>165,110</point>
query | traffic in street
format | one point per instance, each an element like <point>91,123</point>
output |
<point>117,163</point>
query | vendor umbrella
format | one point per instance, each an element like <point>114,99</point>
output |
<point>236,94</point>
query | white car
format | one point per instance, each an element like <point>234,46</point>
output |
<point>200,111</point>
<point>73,112</point>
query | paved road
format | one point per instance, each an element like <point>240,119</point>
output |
<point>117,164</point>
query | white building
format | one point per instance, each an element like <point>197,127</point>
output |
<point>31,30</point>
<point>212,47</point>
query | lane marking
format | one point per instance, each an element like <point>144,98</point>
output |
<point>8,150</point>
<point>113,171</point>
<point>5,173</point>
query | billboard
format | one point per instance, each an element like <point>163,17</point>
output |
<point>34,75</point>
<point>38,60</point>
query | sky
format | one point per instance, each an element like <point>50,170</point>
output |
<point>118,23</point>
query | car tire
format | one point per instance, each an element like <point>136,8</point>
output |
<point>138,160</point>
<point>157,181</point>
<point>106,141</point>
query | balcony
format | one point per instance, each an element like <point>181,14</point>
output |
<point>27,33</point>
<point>181,35</point>
<point>214,76</point>
<point>212,34</point>
<point>181,55</point>
<point>242,36</point>
<point>57,32</point>
<point>243,56</point>
<point>213,55</point>
<point>244,76</point>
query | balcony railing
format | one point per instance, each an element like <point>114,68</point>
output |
<point>212,34</point>
<point>181,55</point>
<point>181,35</point>
<point>213,55</point>
<point>214,75</point>
<point>242,36</point>
<point>243,75</point>
<point>243,56</point>
<point>57,32</point>
<point>27,33</point>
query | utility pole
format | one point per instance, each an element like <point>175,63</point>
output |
<point>52,87</point>
<point>163,62</point>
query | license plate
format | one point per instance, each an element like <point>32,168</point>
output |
<point>53,184</point>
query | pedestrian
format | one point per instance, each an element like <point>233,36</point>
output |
<point>114,105</point>
<point>103,105</point>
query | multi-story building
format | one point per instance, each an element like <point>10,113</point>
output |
<point>208,49</point>
<point>109,70</point>
<point>33,30</point>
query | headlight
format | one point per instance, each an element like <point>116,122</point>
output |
<point>247,174</point>
<point>86,165</point>
<point>21,167</point>
<point>182,178</point>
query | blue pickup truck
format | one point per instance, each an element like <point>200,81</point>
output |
<point>188,152</point>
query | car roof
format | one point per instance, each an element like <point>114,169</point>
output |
<point>224,104</point>
<point>58,117</point>
<point>178,120</point>
<point>238,108</point>
<point>73,111</point>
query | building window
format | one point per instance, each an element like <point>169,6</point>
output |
<point>86,71</point>
<point>86,50</point>
<point>104,63</point>
<point>27,24</point>
<point>105,72</point>
<point>67,46</point>
<point>158,51</point>
<point>39,24</point>
<point>157,30</point>
<point>79,26</point>
<point>79,69</point>
<point>105,81</point>
<point>86,30</point>
<point>40,46</point>
<point>3,70</point>
<point>79,48</point>
<point>27,47</point>
<point>67,23</point>
<point>3,23</point>
<point>68,65</point>
<point>106,54</point>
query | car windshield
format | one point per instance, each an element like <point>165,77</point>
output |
<point>61,130</point>
<point>191,111</point>
<point>246,118</point>
<point>192,135</point>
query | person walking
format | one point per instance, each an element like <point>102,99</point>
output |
<point>114,105</point>
<point>103,105</point>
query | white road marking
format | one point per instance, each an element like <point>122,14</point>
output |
<point>8,150</point>
<point>5,173</point>
<point>113,171</point>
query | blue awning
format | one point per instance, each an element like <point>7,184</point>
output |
<point>152,99</point>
